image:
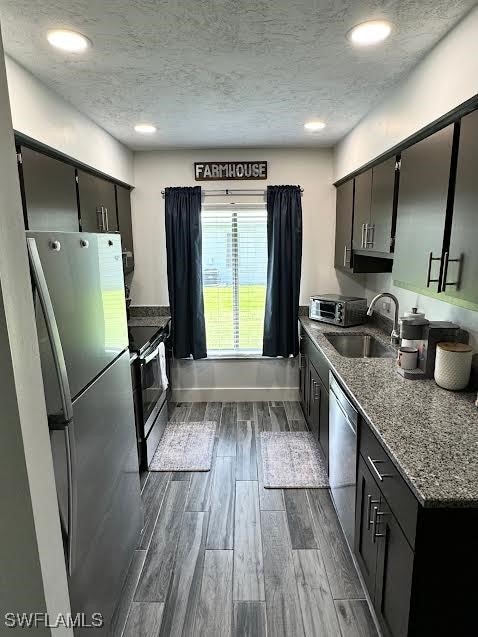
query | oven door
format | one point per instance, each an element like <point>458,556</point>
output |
<point>154,381</point>
<point>323,310</point>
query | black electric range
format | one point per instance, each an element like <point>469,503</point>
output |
<point>150,374</point>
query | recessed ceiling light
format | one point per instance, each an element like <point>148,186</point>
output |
<point>145,128</point>
<point>370,33</point>
<point>314,125</point>
<point>68,40</point>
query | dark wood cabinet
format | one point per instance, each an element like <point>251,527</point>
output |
<point>123,201</point>
<point>343,228</point>
<point>383,553</point>
<point>366,549</point>
<point>375,208</point>
<point>314,392</point>
<point>460,273</point>
<point>304,379</point>
<point>352,229</point>
<point>393,586</point>
<point>97,203</point>
<point>49,192</point>
<point>362,210</point>
<point>315,399</point>
<point>385,181</point>
<point>422,210</point>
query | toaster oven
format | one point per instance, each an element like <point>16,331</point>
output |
<point>338,310</point>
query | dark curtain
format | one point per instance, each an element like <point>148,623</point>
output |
<point>184,253</point>
<point>284,246</point>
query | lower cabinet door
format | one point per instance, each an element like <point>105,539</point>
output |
<point>366,548</point>
<point>303,385</point>
<point>314,400</point>
<point>394,573</point>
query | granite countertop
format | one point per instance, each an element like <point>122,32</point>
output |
<point>431,434</point>
<point>148,321</point>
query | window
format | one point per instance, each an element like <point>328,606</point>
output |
<point>234,276</point>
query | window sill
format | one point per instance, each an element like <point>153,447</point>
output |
<point>235,356</point>
<point>229,355</point>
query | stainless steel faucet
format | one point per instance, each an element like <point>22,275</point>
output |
<point>395,335</point>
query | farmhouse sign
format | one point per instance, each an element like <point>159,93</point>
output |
<point>222,170</point>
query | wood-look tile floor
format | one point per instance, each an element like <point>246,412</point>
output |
<point>220,555</point>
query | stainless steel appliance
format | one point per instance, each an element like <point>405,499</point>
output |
<point>343,457</point>
<point>150,373</point>
<point>81,323</point>
<point>338,310</point>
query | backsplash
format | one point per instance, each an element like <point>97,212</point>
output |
<point>434,309</point>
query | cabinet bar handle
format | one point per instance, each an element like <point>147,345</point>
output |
<point>373,464</point>
<point>429,271</point>
<point>376,522</point>
<point>345,257</point>
<point>369,510</point>
<point>363,236</point>
<point>369,242</point>
<point>447,260</point>
<point>100,217</point>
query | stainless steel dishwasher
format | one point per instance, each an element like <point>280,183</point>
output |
<point>343,419</point>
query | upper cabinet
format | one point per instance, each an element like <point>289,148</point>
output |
<point>97,203</point>
<point>123,200</point>
<point>362,208</point>
<point>343,228</point>
<point>49,192</point>
<point>354,236</point>
<point>460,268</point>
<point>58,196</point>
<point>381,231</point>
<point>422,211</point>
<point>374,208</point>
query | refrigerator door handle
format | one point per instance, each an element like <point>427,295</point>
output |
<point>52,328</point>
<point>56,423</point>
<point>62,422</point>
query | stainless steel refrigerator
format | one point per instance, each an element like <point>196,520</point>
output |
<point>82,332</point>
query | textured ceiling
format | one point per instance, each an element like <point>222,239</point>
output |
<point>213,73</point>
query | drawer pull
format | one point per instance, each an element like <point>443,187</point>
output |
<point>369,510</point>
<point>376,522</point>
<point>373,464</point>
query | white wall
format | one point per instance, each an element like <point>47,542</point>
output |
<point>45,116</point>
<point>445,78</point>
<point>33,577</point>
<point>312,169</point>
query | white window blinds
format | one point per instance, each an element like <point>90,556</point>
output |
<point>234,258</point>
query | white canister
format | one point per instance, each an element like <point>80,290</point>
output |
<point>407,357</point>
<point>453,365</point>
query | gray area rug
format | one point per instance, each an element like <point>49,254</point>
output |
<point>185,446</point>
<point>292,460</point>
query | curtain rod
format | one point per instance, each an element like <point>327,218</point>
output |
<point>233,191</point>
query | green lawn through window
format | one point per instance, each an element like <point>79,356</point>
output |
<point>218,302</point>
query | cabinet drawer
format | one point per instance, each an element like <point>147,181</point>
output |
<point>318,360</point>
<point>397,493</point>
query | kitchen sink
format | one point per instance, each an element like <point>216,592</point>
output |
<point>359,346</point>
